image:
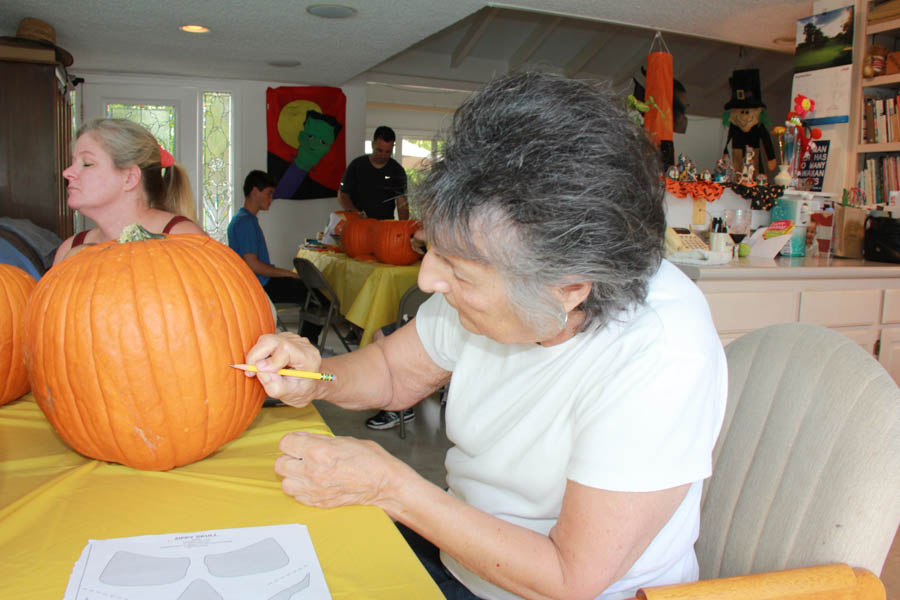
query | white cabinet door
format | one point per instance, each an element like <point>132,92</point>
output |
<point>889,355</point>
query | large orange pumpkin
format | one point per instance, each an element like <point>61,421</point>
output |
<point>393,242</point>
<point>128,345</point>
<point>15,288</point>
<point>358,237</point>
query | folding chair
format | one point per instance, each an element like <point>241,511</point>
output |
<point>321,305</point>
<point>409,305</point>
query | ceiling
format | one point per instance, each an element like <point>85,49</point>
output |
<point>401,46</point>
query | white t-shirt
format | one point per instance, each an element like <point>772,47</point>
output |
<point>635,406</point>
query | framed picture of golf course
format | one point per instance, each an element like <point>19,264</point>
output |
<point>824,40</point>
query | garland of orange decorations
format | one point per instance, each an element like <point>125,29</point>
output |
<point>682,180</point>
<point>699,190</point>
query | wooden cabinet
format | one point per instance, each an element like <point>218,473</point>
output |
<point>35,139</point>
<point>882,155</point>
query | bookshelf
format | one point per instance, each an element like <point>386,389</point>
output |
<point>874,148</point>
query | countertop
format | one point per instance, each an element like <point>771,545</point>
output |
<point>793,267</point>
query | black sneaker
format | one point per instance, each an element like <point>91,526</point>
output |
<point>387,419</point>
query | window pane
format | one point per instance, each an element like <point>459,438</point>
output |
<point>216,169</point>
<point>158,119</point>
<point>416,156</point>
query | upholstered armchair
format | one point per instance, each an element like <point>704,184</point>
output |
<point>806,472</point>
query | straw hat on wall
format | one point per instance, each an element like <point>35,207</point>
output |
<point>35,33</point>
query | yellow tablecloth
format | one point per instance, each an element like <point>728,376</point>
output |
<point>53,500</point>
<point>369,292</point>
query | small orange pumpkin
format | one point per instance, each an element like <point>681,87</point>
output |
<point>128,344</point>
<point>393,242</point>
<point>15,287</point>
<point>358,237</point>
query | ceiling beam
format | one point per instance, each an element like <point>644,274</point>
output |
<point>541,32</point>
<point>450,85</point>
<point>589,51</point>
<point>409,107</point>
<point>473,35</point>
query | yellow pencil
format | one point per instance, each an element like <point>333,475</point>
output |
<point>290,373</point>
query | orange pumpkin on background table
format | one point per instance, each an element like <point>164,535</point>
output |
<point>393,242</point>
<point>15,287</point>
<point>346,217</point>
<point>127,346</point>
<point>359,237</point>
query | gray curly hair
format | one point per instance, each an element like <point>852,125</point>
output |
<point>548,180</point>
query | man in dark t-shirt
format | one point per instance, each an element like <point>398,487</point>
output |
<point>376,183</point>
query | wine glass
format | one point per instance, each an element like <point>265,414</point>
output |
<point>738,222</point>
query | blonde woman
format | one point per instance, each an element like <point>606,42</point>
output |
<point>119,176</point>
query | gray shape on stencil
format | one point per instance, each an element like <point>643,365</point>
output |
<point>288,593</point>
<point>130,569</point>
<point>263,556</point>
<point>199,590</point>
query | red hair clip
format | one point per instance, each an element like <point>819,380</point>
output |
<point>165,158</point>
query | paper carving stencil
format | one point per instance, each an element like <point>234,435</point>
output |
<point>276,562</point>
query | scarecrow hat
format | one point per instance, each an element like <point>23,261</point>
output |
<point>745,90</point>
<point>35,33</point>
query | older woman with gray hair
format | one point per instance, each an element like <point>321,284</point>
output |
<point>587,382</point>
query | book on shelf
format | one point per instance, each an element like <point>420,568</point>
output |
<point>868,132</point>
<point>879,178</point>
<point>880,121</point>
<point>884,11</point>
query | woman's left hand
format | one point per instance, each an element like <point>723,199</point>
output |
<point>326,471</point>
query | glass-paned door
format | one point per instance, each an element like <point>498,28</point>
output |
<point>216,168</point>
<point>169,112</point>
<point>157,119</point>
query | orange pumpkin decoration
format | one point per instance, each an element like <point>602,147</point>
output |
<point>15,287</point>
<point>393,242</point>
<point>128,347</point>
<point>346,217</point>
<point>358,237</point>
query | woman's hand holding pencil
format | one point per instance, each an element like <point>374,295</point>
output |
<point>288,368</point>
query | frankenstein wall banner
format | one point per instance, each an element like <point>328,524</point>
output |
<point>305,139</point>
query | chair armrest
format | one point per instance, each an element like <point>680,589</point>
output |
<point>825,582</point>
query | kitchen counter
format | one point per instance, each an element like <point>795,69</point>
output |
<point>858,298</point>
<point>793,267</point>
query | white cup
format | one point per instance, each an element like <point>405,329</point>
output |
<point>718,242</point>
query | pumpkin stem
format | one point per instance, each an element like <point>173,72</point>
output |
<point>136,233</point>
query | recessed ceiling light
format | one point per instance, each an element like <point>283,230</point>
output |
<point>331,11</point>
<point>283,63</point>
<point>787,39</point>
<point>195,28</point>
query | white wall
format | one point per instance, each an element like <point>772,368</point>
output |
<point>702,141</point>
<point>289,222</point>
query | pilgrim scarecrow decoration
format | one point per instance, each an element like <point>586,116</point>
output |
<point>747,120</point>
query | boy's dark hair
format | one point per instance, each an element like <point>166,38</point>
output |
<point>259,180</point>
